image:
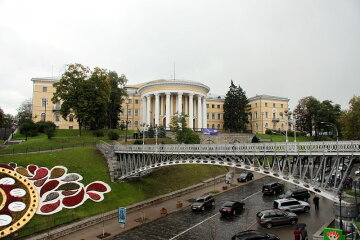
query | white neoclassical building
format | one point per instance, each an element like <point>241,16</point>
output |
<point>156,102</point>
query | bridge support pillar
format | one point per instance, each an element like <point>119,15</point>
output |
<point>349,212</point>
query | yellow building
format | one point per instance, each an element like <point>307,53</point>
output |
<point>156,102</point>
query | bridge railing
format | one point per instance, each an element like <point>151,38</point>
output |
<point>301,147</point>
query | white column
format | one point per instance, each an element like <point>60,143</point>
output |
<point>157,106</point>
<point>162,103</point>
<point>204,109</point>
<point>148,108</point>
<point>143,110</point>
<point>191,110</point>
<point>167,111</point>
<point>186,104</point>
<point>171,105</point>
<point>199,106</point>
<point>179,103</point>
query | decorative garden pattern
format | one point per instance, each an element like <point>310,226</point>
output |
<point>59,189</point>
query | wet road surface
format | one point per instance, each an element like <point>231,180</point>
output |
<point>186,225</point>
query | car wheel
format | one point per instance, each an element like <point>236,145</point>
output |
<point>268,225</point>
<point>203,208</point>
<point>306,209</point>
<point>293,221</point>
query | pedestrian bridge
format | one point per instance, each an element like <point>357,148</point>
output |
<point>321,167</point>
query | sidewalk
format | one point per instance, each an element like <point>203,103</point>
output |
<point>146,214</point>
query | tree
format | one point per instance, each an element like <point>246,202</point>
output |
<point>1,118</point>
<point>182,133</point>
<point>9,121</point>
<point>117,92</point>
<point>350,120</point>
<point>235,109</point>
<point>24,112</point>
<point>50,130</point>
<point>28,128</point>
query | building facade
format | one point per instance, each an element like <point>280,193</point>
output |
<point>156,102</point>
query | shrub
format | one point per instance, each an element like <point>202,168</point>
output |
<point>113,135</point>
<point>187,136</point>
<point>98,133</point>
<point>28,129</point>
<point>255,139</point>
<point>50,132</point>
<point>151,132</point>
<point>268,131</point>
<point>138,142</point>
<point>41,126</point>
<point>161,132</point>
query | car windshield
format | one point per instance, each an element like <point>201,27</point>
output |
<point>200,200</point>
<point>228,204</point>
<point>243,174</point>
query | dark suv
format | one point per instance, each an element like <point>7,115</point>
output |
<point>273,188</point>
<point>254,235</point>
<point>203,202</point>
<point>245,176</point>
<point>272,217</point>
<point>231,208</point>
<point>299,194</point>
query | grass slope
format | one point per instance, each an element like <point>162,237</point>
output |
<point>63,138</point>
<point>281,138</point>
<point>89,163</point>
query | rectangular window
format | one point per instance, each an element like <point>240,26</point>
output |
<point>213,116</point>
<point>43,102</point>
<point>71,127</point>
<point>207,105</point>
<point>218,106</point>
<point>266,114</point>
<point>44,89</point>
<point>213,106</point>
<point>255,104</point>
<point>57,117</point>
<point>136,101</point>
<point>219,116</point>
<point>129,101</point>
<point>129,112</point>
<point>282,105</point>
<point>273,104</point>
<point>136,112</point>
<point>266,104</point>
<point>256,115</point>
<point>274,116</point>
<point>207,115</point>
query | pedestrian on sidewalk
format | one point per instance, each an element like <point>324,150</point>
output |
<point>304,234</point>
<point>316,201</point>
<point>297,234</point>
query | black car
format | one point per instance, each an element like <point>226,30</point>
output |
<point>272,188</point>
<point>254,235</point>
<point>203,202</point>
<point>231,208</point>
<point>245,176</point>
<point>272,217</point>
<point>298,194</point>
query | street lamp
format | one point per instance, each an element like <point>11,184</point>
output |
<point>334,126</point>
<point>340,198</point>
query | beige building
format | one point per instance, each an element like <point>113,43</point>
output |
<point>156,102</point>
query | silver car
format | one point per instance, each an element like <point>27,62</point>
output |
<point>292,205</point>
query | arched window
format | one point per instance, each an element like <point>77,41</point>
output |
<point>42,116</point>
<point>43,102</point>
<point>282,126</point>
<point>136,123</point>
<point>71,118</point>
<point>129,123</point>
<point>257,126</point>
<point>218,127</point>
<point>266,125</point>
<point>213,126</point>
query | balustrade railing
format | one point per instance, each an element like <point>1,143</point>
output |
<point>352,147</point>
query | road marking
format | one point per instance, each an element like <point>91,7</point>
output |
<point>252,224</point>
<point>208,218</point>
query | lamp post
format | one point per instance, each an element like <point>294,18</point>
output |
<point>340,198</point>
<point>127,119</point>
<point>334,126</point>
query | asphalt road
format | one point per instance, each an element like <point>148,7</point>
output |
<point>186,225</point>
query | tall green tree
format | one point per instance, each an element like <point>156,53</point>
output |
<point>182,133</point>
<point>310,113</point>
<point>117,92</point>
<point>1,118</point>
<point>235,109</point>
<point>350,120</point>
<point>24,112</point>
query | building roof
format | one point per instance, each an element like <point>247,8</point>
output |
<point>46,79</point>
<point>267,97</point>
<point>215,97</point>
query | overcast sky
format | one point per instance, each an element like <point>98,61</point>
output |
<point>286,48</point>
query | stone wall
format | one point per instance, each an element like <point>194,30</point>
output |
<point>226,138</point>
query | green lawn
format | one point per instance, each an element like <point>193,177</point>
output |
<point>89,163</point>
<point>63,138</point>
<point>281,138</point>
<point>1,141</point>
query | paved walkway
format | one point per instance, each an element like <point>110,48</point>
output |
<point>145,215</point>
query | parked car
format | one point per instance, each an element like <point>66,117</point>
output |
<point>291,204</point>
<point>203,202</point>
<point>245,176</point>
<point>272,217</point>
<point>273,188</point>
<point>299,194</point>
<point>254,235</point>
<point>231,208</point>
